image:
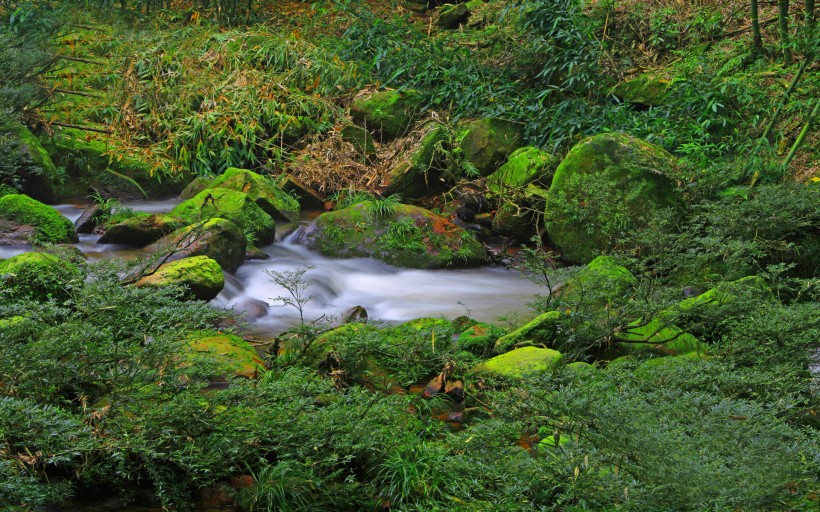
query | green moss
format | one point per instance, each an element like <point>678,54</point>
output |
<point>139,230</point>
<point>391,113</point>
<point>522,361</point>
<point>643,90</point>
<point>726,294</point>
<point>488,142</point>
<point>50,226</point>
<point>523,166</point>
<point>607,186</point>
<point>200,274</point>
<point>225,354</point>
<point>219,239</point>
<point>264,191</point>
<point>196,186</point>
<point>542,329</point>
<point>234,206</point>
<point>37,276</point>
<point>44,179</point>
<point>420,166</point>
<point>602,281</point>
<point>429,324</point>
<point>414,237</point>
<point>657,336</point>
<point>480,339</point>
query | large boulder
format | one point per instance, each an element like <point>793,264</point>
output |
<point>403,235</point>
<point>420,165</point>
<point>219,239</point>
<point>201,275</point>
<point>608,186</point>
<point>264,191</point>
<point>523,166</point>
<point>39,176</point>
<point>390,113</point>
<point>522,361</point>
<point>237,207</point>
<point>488,142</point>
<point>140,230</point>
<point>38,276</point>
<point>47,223</point>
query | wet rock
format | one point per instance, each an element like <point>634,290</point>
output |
<point>390,113</point>
<point>263,190</point>
<point>89,219</point>
<point>196,186</point>
<point>355,314</point>
<point>216,238</point>
<point>49,226</point>
<point>252,309</point>
<point>237,207</point>
<point>308,197</point>
<point>201,275</point>
<point>140,230</point>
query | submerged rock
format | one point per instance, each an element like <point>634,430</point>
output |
<point>402,235</point>
<point>607,186</point>
<point>48,225</point>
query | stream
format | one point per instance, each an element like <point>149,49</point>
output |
<point>388,293</point>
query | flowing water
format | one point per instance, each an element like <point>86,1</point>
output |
<point>386,292</point>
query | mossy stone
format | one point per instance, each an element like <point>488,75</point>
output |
<point>643,90</point>
<point>451,16</point>
<point>523,166</point>
<point>603,280</point>
<point>514,221</point>
<point>659,337</point>
<point>480,339</point>
<point>360,138</point>
<point>219,239</point>
<point>522,361</point>
<point>228,355</point>
<point>419,167</point>
<point>409,237</point>
<point>488,142</point>
<point>391,113</point>
<point>38,276</point>
<point>542,329</point>
<point>201,275</point>
<point>41,179</point>
<point>140,230</point>
<point>267,194</point>
<point>607,186</point>
<point>234,206</point>
<point>196,186</point>
<point>49,225</point>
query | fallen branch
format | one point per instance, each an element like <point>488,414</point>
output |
<point>78,93</point>
<point>81,127</point>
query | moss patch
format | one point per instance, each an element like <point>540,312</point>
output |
<point>219,239</point>
<point>480,339</point>
<point>232,205</point>
<point>390,113</point>
<point>50,226</point>
<point>520,362</point>
<point>523,166</point>
<point>139,230</point>
<point>488,142</point>
<point>542,329</point>
<point>419,166</point>
<point>264,191</point>
<point>227,354</point>
<point>200,274</point>
<point>37,276</point>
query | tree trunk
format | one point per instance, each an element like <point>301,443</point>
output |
<point>757,39</point>
<point>783,16</point>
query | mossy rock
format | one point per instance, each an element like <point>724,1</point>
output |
<point>644,90</point>
<point>657,336</point>
<point>429,324</point>
<point>219,239</point>
<point>227,354</point>
<point>140,230</point>
<point>419,168</point>
<point>264,191</point>
<point>522,361</point>
<point>727,294</point>
<point>601,282</point>
<point>657,368</point>
<point>201,275</point>
<point>451,16</point>
<point>49,226</point>
<point>234,206</point>
<point>581,370</point>
<point>542,329</point>
<point>360,138</point>
<point>408,236</point>
<point>607,186</point>
<point>40,178</point>
<point>523,166</point>
<point>488,142</point>
<point>514,221</point>
<point>391,113</point>
<point>87,158</point>
<point>480,339</point>
<point>196,186</point>
<point>38,276</point>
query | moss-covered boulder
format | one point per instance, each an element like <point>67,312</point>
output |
<point>264,191</point>
<point>451,16</point>
<point>39,176</point>
<point>523,166</point>
<point>49,226</point>
<point>404,235</point>
<point>658,336</point>
<point>218,239</point>
<point>480,339</point>
<point>542,330</point>
<point>488,142</point>
<point>234,206</point>
<point>196,186</point>
<point>139,230</point>
<point>420,166</point>
<point>37,276</point>
<point>391,113</point>
<point>601,282</point>
<point>522,361</point>
<point>519,215</point>
<point>607,186</point>
<point>642,91</point>
<point>360,138</point>
<point>224,355</point>
<point>89,160</point>
<point>201,275</point>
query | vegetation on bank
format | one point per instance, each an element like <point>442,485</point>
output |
<point>674,369</point>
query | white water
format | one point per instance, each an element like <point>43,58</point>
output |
<point>386,292</point>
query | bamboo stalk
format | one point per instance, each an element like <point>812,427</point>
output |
<point>785,99</point>
<point>802,136</point>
